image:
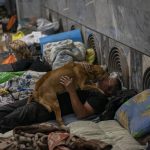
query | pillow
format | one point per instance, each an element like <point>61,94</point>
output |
<point>134,115</point>
<point>74,35</point>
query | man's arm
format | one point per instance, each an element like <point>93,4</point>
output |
<point>81,110</point>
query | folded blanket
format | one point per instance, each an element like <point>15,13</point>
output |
<point>59,53</point>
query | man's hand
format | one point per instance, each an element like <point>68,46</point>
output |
<point>81,110</point>
<point>67,83</point>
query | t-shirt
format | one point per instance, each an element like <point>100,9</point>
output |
<point>97,100</point>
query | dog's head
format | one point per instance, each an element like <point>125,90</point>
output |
<point>97,72</point>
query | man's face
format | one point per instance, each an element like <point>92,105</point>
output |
<point>110,87</point>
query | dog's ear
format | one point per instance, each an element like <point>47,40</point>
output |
<point>105,67</point>
<point>99,72</point>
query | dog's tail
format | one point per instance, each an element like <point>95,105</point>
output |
<point>30,98</point>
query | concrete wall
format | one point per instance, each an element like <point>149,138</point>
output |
<point>126,21</point>
<point>29,8</point>
<point>120,29</point>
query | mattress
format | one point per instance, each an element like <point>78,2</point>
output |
<point>108,131</point>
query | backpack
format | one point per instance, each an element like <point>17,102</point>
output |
<point>116,102</point>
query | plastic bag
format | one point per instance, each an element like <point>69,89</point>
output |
<point>47,27</point>
<point>17,36</point>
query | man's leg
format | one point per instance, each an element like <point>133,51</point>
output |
<point>8,108</point>
<point>24,115</point>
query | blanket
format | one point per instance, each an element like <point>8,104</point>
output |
<point>59,53</point>
<point>19,87</point>
<point>48,137</point>
<point>67,141</point>
<point>5,76</point>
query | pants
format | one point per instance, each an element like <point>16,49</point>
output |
<point>20,113</point>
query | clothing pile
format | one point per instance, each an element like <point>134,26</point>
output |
<point>19,87</point>
<point>59,53</point>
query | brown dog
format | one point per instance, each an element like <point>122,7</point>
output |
<point>47,87</point>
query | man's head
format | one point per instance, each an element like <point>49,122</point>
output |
<point>110,85</point>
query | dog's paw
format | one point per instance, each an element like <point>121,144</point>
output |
<point>65,128</point>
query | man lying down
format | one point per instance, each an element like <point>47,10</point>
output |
<point>82,103</point>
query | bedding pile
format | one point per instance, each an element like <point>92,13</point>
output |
<point>19,87</point>
<point>49,137</point>
<point>59,53</point>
